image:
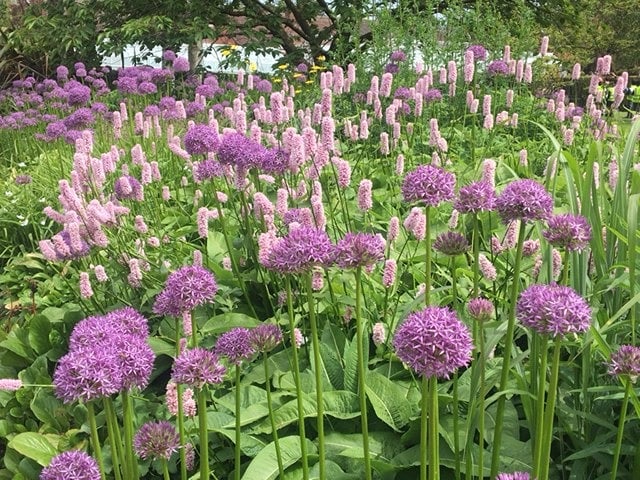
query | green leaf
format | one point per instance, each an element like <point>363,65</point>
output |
<point>49,410</point>
<point>161,347</point>
<point>35,446</point>
<point>226,321</point>
<point>39,328</point>
<point>265,465</point>
<point>351,367</point>
<point>333,367</point>
<point>388,400</point>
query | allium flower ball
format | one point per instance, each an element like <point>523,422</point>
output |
<point>398,56</point>
<point>242,152</point>
<point>451,243</point>
<point>524,200</point>
<point>553,310</point>
<point>475,197</point>
<point>571,232</point>
<point>359,250</point>
<point>265,337</point>
<point>498,67</point>
<point>513,476</point>
<point>479,52</point>
<point>433,342</point>
<point>235,345</point>
<point>71,465</point>
<point>480,309</point>
<point>626,361</point>
<point>156,440</point>
<point>185,289</point>
<point>200,139</point>
<point>429,184</point>
<point>300,250</point>
<point>197,367</point>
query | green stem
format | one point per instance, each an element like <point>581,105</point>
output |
<point>238,418</point>
<point>362,372</point>
<point>204,434</point>
<point>456,430</point>
<point>434,446</point>
<point>127,412</point>
<point>542,382</point>
<point>506,357</point>
<point>274,429</point>
<point>476,255</point>
<point>165,469</point>
<point>427,238</point>
<point>621,421</point>
<point>296,376</point>
<point>95,440</point>
<point>545,452</point>
<point>183,454</point>
<point>424,430</point>
<point>114,438</point>
<point>317,364</point>
<point>482,361</point>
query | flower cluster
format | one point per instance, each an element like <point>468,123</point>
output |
<point>235,345</point>
<point>196,367</point>
<point>200,139</point>
<point>571,232</point>
<point>433,342</point>
<point>71,465</point>
<point>429,184</point>
<point>451,243</point>
<point>359,250</point>
<point>185,289</point>
<point>513,476</point>
<point>524,200</point>
<point>265,337</point>
<point>625,361</point>
<point>475,197</point>
<point>299,251</point>
<point>156,440</point>
<point>553,310</point>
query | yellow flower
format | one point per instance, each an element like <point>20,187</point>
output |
<point>253,67</point>
<point>321,58</point>
<point>316,68</point>
<point>284,66</point>
<point>276,80</point>
<point>297,91</point>
<point>309,82</point>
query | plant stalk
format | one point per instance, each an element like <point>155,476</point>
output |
<point>621,421</point>
<point>204,434</point>
<point>362,372</point>
<point>95,440</point>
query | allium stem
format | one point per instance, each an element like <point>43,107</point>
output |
<point>456,429</point>
<point>482,362</point>
<point>621,421</point>
<point>127,413</point>
<point>542,382</point>
<point>95,440</point>
<point>362,372</point>
<point>427,241</point>
<point>296,376</point>
<point>238,409</point>
<point>424,429</point>
<point>506,360</point>
<point>204,434</point>
<point>115,441</point>
<point>317,363</point>
<point>165,470</point>
<point>274,430</point>
<point>545,452</point>
<point>476,255</point>
<point>434,444</point>
<point>180,418</point>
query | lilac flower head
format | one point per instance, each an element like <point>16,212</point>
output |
<point>359,250</point>
<point>498,67</point>
<point>433,342</point>
<point>451,243</point>
<point>524,200</point>
<point>300,250</point>
<point>479,52</point>
<point>180,64</point>
<point>197,367</point>
<point>514,476</point>
<point>184,290</point>
<point>207,169</point>
<point>135,361</point>
<point>391,68</point>
<point>127,187</point>
<point>79,95</point>
<point>398,56</point>
<point>240,151</point>
<point>235,345</point>
<point>475,197</point>
<point>147,88</point>
<point>274,161</point>
<point>480,309</point>
<point>265,337</point>
<point>553,310</point>
<point>168,55</point>
<point>429,184</point>
<point>432,95</point>
<point>71,465</point>
<point>200,139</point>
<point>571,232</point>
<point>626,361</point>
<point>23,179</point>
<point>156,440</point>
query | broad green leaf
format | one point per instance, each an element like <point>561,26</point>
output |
<point>250,445</point>
<point>226,321</point>
<point>35,446</point>
<point>388,400</point>
<point>333,368</point>
<point>161,347</point>
<point>351,367</point>
<point>49,410</point>
<point>265,465</point>
<point>39,328</point>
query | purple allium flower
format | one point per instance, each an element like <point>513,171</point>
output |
<point>359,250</point>
<point>265,337</point>
<point>156,440</point>
<point>302,68</point>
<point>479,52</point>
<point>513,476</point>
<point>402,92</point>
<point>127,84</point>
<point>391,68</point>
<point>87,374</point>
<point>625,361</point>
<point>451,243</point>
<point>274,161</point>
<point>263,86</point>
<point>79,95</point>
<point>432,95</point>
<point>200,139</point>
<point>475,197</point>
<point>23,179</point>
<point>184,290</point>
<point>398,56</point>
<point>553,309</point>
<point>55,130</point>
<point>196,367</point>
<point>235,345</point>
<point>433,342</point>
<point>480,309</point>
<point>168,55</point>
<point>128,187</point>
<point>498,67</point>
<point>207,169</point>
<point>429,184</point>
<point>571,232</point>
<point>240,151</point>
<point>152,111</point>
<point>71,465</point>
<point>81,118</point>
<point>300,250</point>
<point>147,88</point>
<point>62,72</point>
<point>181,64</point>
<point>524,200</point>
